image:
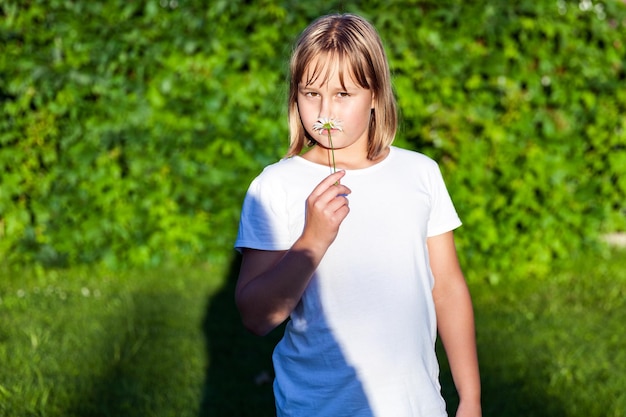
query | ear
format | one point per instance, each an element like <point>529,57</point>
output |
<point>373,101</point>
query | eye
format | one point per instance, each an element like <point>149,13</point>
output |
<point>311,94</point>
<point>343,94</point>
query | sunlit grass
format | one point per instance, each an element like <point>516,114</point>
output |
<point>168,342</point>
<point>98,343</point>
<point>555,348</point>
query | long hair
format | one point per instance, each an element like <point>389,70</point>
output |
<point>351,40</point>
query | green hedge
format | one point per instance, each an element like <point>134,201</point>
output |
<point>130,130</point>
<point>524,105</point>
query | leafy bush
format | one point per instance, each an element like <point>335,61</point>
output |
<point>131,129</point>
<point>127,132</point>
<point>522,105</point>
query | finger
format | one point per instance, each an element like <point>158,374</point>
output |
<point>338,203</point>
<point>333,191</point>
<point>327,182</point>
<point>341,209</point>
<point>331,201</point>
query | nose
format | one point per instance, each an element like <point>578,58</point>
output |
<point>326,107</point>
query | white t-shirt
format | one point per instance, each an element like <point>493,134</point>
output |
<point>361,340</point>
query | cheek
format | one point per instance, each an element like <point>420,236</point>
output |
<point>305,111</point>
<point>306,121</point>
<point>362,116</point>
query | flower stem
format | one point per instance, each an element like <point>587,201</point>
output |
<point>332,151</point>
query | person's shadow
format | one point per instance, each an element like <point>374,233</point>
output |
<point>239,372</point>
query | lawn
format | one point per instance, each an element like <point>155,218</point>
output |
<point>168,342</point>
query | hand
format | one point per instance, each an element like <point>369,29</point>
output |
<point>326,208</point>
<point>469,409</point>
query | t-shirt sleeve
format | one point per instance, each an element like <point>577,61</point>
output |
<point>443,215</point>
<point>264,219</point>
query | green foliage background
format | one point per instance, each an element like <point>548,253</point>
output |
<point>130,130</point>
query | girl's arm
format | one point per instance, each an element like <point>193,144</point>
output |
<point>271,283</point>
<point>455,322</point>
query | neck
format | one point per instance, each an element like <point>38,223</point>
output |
<point>348,159</point>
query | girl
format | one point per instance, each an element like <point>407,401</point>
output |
<point>362,260</point>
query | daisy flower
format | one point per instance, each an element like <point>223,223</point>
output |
<point>327,124</point>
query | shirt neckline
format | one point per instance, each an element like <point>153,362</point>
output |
<point>366,170</point>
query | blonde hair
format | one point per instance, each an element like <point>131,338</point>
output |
<point>355,42</point>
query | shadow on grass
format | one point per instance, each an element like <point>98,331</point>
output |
<point>239,374</point>
<point>144,350</point>
<point>144,375</point>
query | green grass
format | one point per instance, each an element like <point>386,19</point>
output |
<point>555,348</point>
<point>168,342</point>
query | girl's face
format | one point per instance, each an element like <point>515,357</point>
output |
<point>349,103</point>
